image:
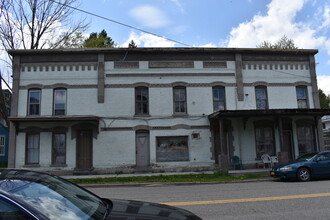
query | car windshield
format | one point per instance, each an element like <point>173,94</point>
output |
<point>54,197</point>
<point>306,157</point>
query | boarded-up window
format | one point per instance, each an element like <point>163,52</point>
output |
<point>173,148</point>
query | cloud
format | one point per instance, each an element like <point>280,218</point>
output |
<point>323,83</point>
<point>149,16</point>
<point>279,21</point>
<point>178,3</point>
<point>148,40</point>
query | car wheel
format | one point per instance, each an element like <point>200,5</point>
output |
<point>303,174</point>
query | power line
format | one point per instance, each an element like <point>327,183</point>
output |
<point>120,23</point>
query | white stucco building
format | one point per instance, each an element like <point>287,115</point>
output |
<point>107,110</point>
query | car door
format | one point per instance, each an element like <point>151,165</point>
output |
<point>322,165</point>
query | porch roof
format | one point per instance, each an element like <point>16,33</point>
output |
<point>268,112</point>
<point>54,119</point>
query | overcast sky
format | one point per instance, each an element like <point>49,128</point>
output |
<point>218,23</point>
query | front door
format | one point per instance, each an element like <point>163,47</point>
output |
<point>287,146</point>
<point>142,149</point>
<point>84,149</point>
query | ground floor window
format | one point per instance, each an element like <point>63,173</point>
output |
<point>2,145</point>
<point>59,149</point>
<point>305,136</point>
<point>174,148</point>
<point>264,136</point>
<point>32,148</point>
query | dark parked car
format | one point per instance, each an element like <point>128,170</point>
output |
<point>306,167</point>
<point>27,194</point>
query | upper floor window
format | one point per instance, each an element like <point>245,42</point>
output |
<point>219,98</point>
<point>59,101</point>
<point>141,101</point>
<point>261,97</point>
<point>179,99</point>
<point>301,96</point>
<point>2,145</point>
<point>34,102</point>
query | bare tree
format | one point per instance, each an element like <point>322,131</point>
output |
<point>38,24</point>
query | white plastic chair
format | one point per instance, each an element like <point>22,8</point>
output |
<point>266,160</point>
<point>273,160</point>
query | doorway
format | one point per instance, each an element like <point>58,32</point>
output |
<point>142,149</point>
<point>84,146</point>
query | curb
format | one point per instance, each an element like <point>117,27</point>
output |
<point>159,184</point>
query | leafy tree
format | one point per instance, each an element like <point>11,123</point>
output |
<point>99,40</point>
<point>132,44</point>
<point>283,43</point>
<point>324,100</point>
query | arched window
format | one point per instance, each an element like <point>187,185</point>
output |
<point>34,100</point>
<point>302,96</point>
<point>141,101</point>
<point>59,102</point>
<point>261,97</point>
<point>179,100</point>
<point>219,98</point>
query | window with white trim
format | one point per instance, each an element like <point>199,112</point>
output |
<point>59,101</point>
<point>219,98</point>
<point>59,148</point>
<point>179,100</point>
<point>2,145</point>
<point>34,99</point>
<point>302,96</point>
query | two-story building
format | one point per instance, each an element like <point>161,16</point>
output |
<point>107,110</point>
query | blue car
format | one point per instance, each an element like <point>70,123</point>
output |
<point>304,168</point>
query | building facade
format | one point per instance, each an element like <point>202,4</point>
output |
<point>108,110</point>
<point>326,131</point>
<point>5,99</point>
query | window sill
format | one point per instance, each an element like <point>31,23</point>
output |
<point>31,165</point>
<point>142,115</point>
<point>180,115</point>
<point>58,165</point>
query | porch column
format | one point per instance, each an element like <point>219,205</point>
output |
<point>223,156</point>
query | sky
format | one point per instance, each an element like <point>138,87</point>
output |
<point>216,23</point>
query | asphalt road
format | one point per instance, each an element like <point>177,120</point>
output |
<point>249,200</point>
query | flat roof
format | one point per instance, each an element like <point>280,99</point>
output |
<point>166,49</point>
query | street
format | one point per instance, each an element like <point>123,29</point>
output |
<point>249,200</point>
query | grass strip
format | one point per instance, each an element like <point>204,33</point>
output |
<point>215,177</point>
